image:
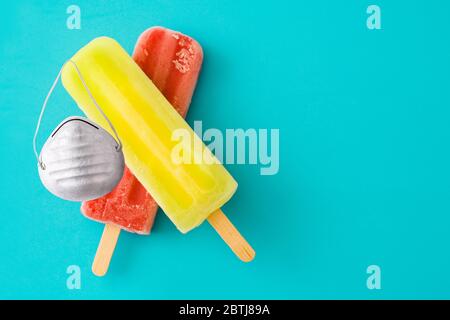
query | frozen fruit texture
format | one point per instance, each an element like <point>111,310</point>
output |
<point>172,61</point>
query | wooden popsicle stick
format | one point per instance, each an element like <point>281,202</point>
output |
<point>105,249</point>
<point>231,236</point>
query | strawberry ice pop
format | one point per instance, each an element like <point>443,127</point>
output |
<point>172,61</point>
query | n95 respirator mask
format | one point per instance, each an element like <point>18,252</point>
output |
<point>80,161</point>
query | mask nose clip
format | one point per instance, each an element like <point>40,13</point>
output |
<point>41,164</point>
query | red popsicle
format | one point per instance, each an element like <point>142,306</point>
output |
<point>172,61</point>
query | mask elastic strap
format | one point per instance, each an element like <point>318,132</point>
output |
<point>119,143</point>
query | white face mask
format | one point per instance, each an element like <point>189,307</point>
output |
<point>80,161</point>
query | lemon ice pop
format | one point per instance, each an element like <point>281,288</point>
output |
<point>172,61</point>
<point>188,193</point>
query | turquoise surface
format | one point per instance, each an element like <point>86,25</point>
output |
<point>364,151</point>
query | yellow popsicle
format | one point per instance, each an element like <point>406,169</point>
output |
<point>145,121</point>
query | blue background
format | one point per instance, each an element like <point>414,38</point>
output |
<point>364,160</point>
